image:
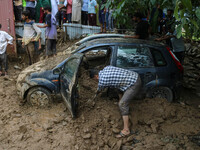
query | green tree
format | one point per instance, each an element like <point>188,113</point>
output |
<point>186,12</point>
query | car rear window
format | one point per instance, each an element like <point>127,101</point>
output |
<point>158,58</point>
<point>131,56</point>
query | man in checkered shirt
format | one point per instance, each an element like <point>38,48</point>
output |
<point>127,82</point>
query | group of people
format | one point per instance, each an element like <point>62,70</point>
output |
<point>157,25</point>
<point>67,11</point>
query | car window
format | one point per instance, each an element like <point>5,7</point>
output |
<point>158,58</point>
<point>70,67</point>
<point>98,57</point>
<point>130,56</point>
<point>96,52</point>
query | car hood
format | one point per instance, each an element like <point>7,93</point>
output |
<point>39,68</point>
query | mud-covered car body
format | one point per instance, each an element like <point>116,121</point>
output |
<point>158,68</point>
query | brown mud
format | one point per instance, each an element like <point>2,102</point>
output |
<point>156,124</point>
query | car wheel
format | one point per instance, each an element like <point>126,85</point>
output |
<point>39,96</point>
<point>162,92</point>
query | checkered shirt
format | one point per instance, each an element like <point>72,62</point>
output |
<point>115,77</point>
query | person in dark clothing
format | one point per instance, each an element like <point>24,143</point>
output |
<point>142,27</point>
<point>51,33</point>
<point>155,19</point>
<point>102,16</point>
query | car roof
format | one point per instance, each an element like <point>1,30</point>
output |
<point>116,41</point>
<point>98,36</point>
<point>123,40</point>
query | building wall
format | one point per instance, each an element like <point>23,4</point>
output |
<point>7,19</point>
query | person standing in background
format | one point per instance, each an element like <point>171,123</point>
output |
<point>51,32</point>
<point>24,5</point>
<point>30,6</point>
<point>5,39</point>
<point>18,10</point>
<point>102,16</point>
<point>69,11</point>
<point>61,14</point>
<point>40,10</point>
<point>84,14</point>
<point>92,12</point>
<point>76,11</point>
<point>31,34</point>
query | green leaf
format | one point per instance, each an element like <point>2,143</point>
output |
<point>153,2</point>
<point>182,12</point>
<point>194,23</point>
<point>176,10</point>
<point>187,4</point>
<point>197,12</point>
<point>183,20</point>
<point>179,30</point>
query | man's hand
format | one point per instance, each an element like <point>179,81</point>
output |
<point>23,45</point>
<point>158,39</point>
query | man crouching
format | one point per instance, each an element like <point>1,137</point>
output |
<point>128,82</point>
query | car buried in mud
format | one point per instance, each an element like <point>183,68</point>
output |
<point>157,66</point>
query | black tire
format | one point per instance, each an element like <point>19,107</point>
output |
<point>39,96</point>
<point>161,92</point>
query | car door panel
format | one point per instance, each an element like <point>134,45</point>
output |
<point>68,82</point>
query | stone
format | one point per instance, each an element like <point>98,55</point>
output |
<point>115,130</point>
<point>87,136</point>
<point>22,129</point>
<point>154,127</point>
<point>130,138</point>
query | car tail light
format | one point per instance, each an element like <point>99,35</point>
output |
<point>177,62</point>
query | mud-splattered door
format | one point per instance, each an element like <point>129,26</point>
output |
<point>7,20</point>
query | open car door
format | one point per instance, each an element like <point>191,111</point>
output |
<point>68,82</point>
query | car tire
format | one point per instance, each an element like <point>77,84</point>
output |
<point>161,92</point>
<point>39,96</point>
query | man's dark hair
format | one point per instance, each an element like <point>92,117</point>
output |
<point>93,72</point>
<point>0,26</point>
<point>171,10</point>
<point>26,13</point>
<point>47,8</point>
<point>139,15</point>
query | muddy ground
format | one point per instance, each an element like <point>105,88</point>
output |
<point>156,124</point>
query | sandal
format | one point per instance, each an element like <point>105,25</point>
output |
<point>121,135</point>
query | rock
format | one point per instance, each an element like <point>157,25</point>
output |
<point>118,145</point>
<point>22,129</point>
<point>86,130</point>
<point>154,127</point>
<point>126,148</point>
<point>115,130</point>
<point>17,67</point>
<point>18,116</point>
<point>101,143</point>
<point>100,131</point>
<point>87,136</point>
<point>64,123</point>
<point>130,138</point>
<point>169,146</point>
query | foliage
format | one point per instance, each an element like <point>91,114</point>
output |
<point>186,12</point>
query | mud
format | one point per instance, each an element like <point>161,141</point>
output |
<point>156,124</point>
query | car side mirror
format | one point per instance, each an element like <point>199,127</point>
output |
<point>57,71</point>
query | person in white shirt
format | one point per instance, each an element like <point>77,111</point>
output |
<point>5,39</point>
